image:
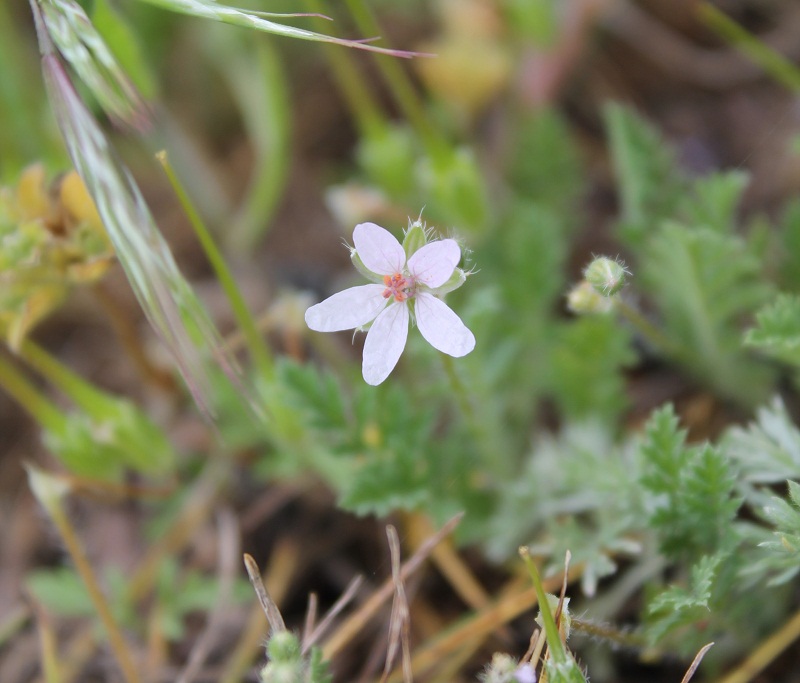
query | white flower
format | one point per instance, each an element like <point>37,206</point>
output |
<point>410,286</point>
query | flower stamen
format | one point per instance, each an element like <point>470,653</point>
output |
<point>396,286</point>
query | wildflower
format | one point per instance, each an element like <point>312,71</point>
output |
<point>409,279</point>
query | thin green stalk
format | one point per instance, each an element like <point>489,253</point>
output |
<point>400,84</point>
<point>26,394</point>
<point>649,331</point>
<point>775,64</point>
<point>555,646</point>
<point>49,492</point>
<point>255,342</point>
<point>362,105</point>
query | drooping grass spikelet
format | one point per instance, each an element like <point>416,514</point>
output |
<point>165,296</point>
<point>208,9</point>
<point>85,50</point>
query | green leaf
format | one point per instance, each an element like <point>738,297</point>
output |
<point>716,198</point>
<point>682,607</point>
<point>777,331</point>
<point>61,591</point>
<point>704,284</point>
<point>767,451</point>
<point>788,249</point>
<point>649,182</point>
<point>545,166</point>
<point>587,358</point>
<point>691,504</point>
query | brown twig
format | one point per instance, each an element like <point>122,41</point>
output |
<point>356,622</point>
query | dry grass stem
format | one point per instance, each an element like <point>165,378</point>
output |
<point>765,653</point>
<point>310,620</point>
<point>356,622</point>
<point>695,663</point>
<point>481,625</point>
<point>399,621</point>
<point>333,612</point>
<point>456,571</point>
<point>271,610</point>
<point>282,570</point>
<point>228,549</point>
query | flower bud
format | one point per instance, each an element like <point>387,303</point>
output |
<point>415,238</point>
<point>583,298</point>
<point>606,275</point>
<point>458,278</point>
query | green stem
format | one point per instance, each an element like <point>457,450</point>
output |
<point>775,64</point>
<point>400,84</point>
<point>362,105</point>
<point>554,643</point>
<point>649,331</point>
<point>255,342</point>
<point>459,389</point>
<point>26,394</point>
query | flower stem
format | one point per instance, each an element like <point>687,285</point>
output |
<point>649,331</point>
<point>255,342</point>
<point>459,389</point>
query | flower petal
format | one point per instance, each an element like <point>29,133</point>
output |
<point>385,342</point>
<point>434,263</point>
<point>378,249</point>
<point>442,328</point>
<point>346,310</point>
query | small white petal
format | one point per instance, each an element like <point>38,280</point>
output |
<point>442,328</point>
<point>347,310</point>
<point>385,342</point>
<point>434,263</point>
<point>378,249</point>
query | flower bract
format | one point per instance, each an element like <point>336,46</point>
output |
<point>406,286</point>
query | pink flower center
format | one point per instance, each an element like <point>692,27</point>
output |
<point>396,286</point>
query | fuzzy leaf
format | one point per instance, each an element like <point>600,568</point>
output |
<point>704,283</point>
<point>649,183</point>
<point>767,451</point>
<point>587,357</point>
<point>777,331</point>
<point>681,607</point>
<point>692,505</point>
<point>714,201</point>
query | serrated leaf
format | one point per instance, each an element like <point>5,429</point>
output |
<point>767,451</point>
<point>587,358</point>
<point>677,607</point>
<point>546,166</point>
<point>715,200</point>
<point>777,330</point>
<point>648,179</point>
<point>704,284</point>
<point>692,503</point>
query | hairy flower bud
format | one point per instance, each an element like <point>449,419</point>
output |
<point>606,275</point>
